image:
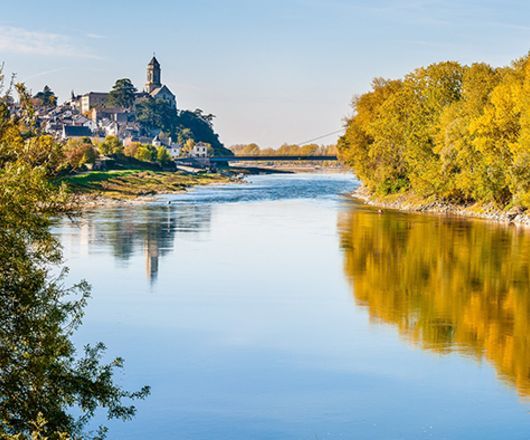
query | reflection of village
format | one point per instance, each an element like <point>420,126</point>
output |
<point>447,285</point>
<point>151,229</point>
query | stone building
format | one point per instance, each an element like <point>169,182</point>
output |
<point>92,100</point>
<point>154,86</point>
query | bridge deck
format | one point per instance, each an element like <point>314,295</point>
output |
<point>270,158</point>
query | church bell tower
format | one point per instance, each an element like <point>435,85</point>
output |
<point>153,75</point>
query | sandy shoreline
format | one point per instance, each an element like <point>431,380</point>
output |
<point>407,204</point>
<point>85,201</point>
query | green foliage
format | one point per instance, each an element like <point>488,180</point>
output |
<point>184,135</point>
<point>122,93</point>
<point>42,376</point>
<point>46,97</point>
<point>162,155</point>
<point>182,125</point>
<point>448,132</point>
<point>146,153</point>
<point>94,177</point>
<point>199,127</point>
<point>157,114</point>
<point>111,146</point>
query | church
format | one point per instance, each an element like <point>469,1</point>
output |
<point>154,86</point>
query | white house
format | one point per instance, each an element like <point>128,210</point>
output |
<point>200,149</point>
<point>112,129</point>
<point>174,150</point>
<point>156,142</point>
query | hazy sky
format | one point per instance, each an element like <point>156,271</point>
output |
<point>272,71</point>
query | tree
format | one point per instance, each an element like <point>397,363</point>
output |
<point>41,371</point>
<point>46,97</point>
<point>363,149</point>
<point>42,376</point>
<point>162,156</point>
<point>188,146</point>
<point>131,149</point>
<point>122,94</point>
<point>111,146</point>
<point>146,153</point>
<point>445,132</point>
<point>156,114</point>
<point>79,152</point>
<point>201,129</point>
<point>245,150</point>
<point>184,135</point>
<point>284,150</point>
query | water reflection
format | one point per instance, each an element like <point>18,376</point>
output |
<point>447,284</point>
<point>149,229</point>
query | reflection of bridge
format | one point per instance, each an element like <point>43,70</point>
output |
<point>218,159</point>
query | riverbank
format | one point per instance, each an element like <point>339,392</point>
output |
<point>94,189</point>
<point>409,203</point>
<point>117,187</point>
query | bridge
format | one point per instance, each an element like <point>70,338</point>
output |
<point>224,159</point>
<point>271,158</point>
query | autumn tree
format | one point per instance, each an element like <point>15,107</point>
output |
<point>445,132</point>
<point>111,146</point>
<point>79,152</point>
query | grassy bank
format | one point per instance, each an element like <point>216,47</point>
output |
<point>133,184</point>
<point>413,203</point>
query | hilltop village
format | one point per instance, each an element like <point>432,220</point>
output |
<point>130,117</point>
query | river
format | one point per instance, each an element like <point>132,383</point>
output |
<point>282,309</point>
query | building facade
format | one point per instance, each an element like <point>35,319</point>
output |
<point>92,100</point>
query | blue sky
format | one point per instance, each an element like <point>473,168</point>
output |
<point>271,71</point>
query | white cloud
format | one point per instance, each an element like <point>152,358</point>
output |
<point>22,41</point>
<point>96,36</point>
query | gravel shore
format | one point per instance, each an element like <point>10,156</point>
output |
<point>406,203</point>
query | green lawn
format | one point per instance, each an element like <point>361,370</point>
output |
<point>92,177</point>
<point>122,184</point>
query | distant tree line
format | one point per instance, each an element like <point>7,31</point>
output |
<point>445,132</point>
<point>284,150</point>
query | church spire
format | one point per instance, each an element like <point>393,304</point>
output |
<point>153,75</point>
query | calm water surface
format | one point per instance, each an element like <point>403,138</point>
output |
<point>279,309</point>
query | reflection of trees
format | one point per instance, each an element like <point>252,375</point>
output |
<point>445,283</point>
<point>150,228</point>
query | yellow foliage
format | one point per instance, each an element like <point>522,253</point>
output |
<point>457,133</point>
<point>447,284</point>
